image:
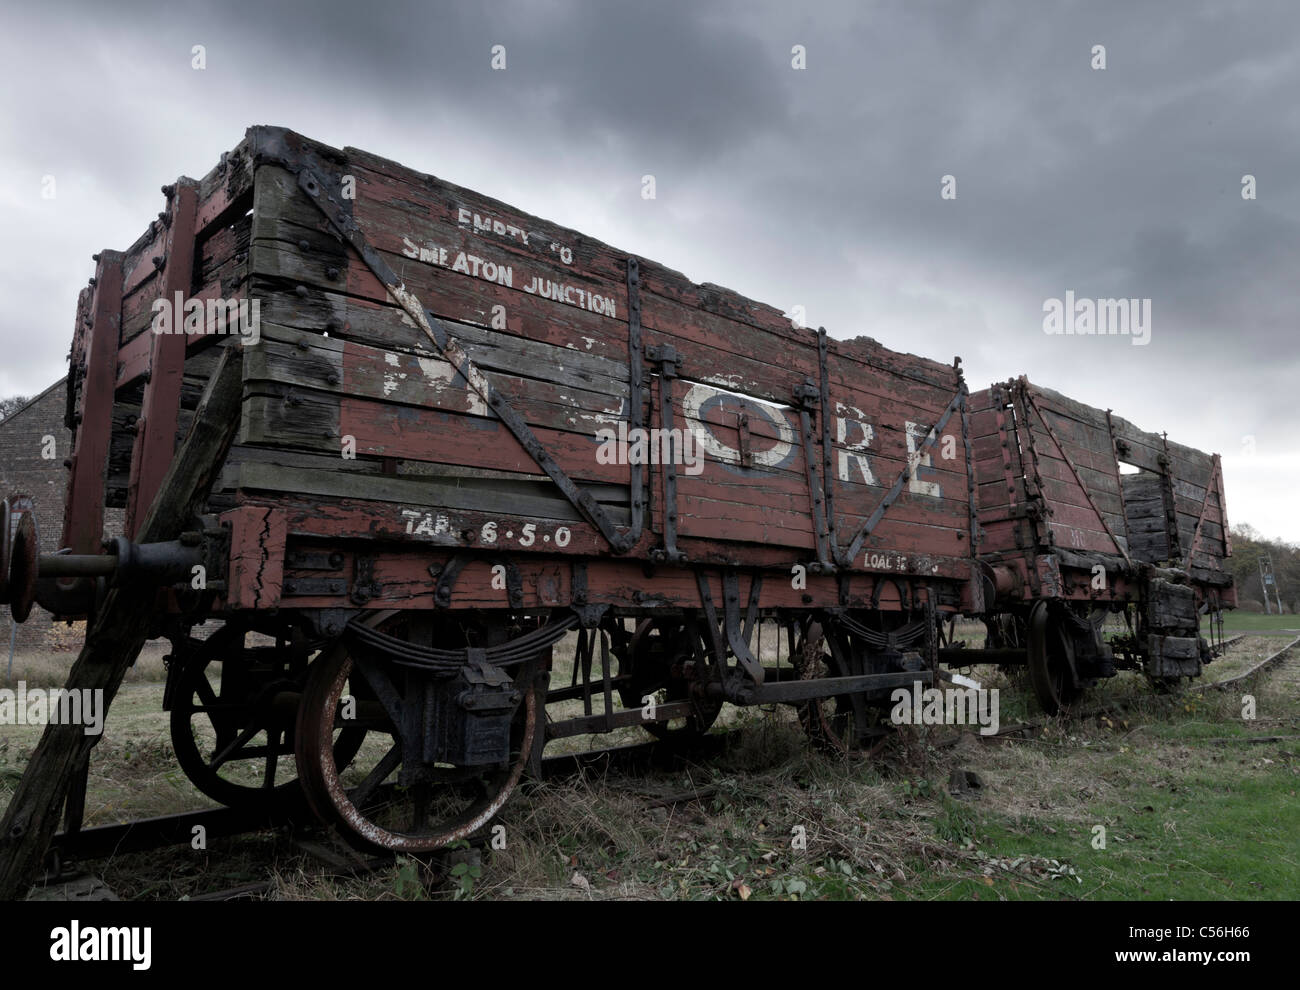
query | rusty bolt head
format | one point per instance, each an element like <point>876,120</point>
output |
<point>304,246</point>
<point>332,274</point>
<point>301,290</point>
<point>158,261</point>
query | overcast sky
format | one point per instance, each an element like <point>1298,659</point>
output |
<point>818,187</point>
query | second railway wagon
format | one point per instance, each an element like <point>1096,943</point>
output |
<point>465,434</point>
<point>1088,522</point>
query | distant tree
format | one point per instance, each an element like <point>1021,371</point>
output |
<point>1245,532</point>
<point>1248,545</point>
<point>12,405</point>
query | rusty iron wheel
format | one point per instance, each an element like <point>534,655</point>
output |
<point>829,723</point>
<point>818,717</point>
<point>362,798</point>
<point>832,723</point>
<point>657,653</point>
<point>234,737</point>
<point>1051,654</point>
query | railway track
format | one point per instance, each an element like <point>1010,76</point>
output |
<point>1026,729</point>
<point>1272,658</point>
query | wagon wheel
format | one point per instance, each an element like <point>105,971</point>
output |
<point>233,734</point>
<point>831,724</point>
<point>1051,655</point>
<point>659,653</point>
<point>365,799</point>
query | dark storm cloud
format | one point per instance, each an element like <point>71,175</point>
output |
<point>817,188</point>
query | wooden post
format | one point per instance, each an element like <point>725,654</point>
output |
<point>83,520</point>
<point>119,632</point>
<point>155,439</point>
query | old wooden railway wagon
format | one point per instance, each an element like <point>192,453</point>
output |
<point>458,433</point>
<point>1086,518</point>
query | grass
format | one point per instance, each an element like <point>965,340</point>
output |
<point>1239,621</point>
<point>47,668</point>
<point>1186,814</point>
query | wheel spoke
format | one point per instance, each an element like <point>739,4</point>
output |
<point>220,758</point>
<point>203,688</point>
<point>421,795</point>
<point>272,756</point>
<point>390,762</point>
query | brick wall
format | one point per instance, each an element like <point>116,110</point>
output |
<point>25,471</point>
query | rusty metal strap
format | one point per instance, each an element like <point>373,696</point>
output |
<point>828,471</point>
<point>817,504</point>
<point>1211,487</point>
<point>737,638</point>
<point>1069,462</point>
<point>635,392</point>
<point>855,547</point>
<point>451,349</point>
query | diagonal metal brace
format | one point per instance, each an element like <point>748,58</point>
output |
<point>1211,489</point>
<point>737,638</point>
